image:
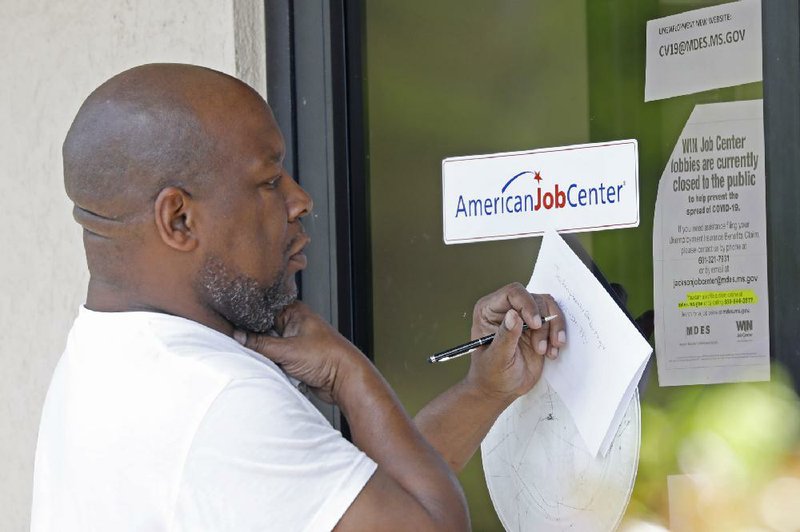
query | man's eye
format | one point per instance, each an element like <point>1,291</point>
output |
<point>272,183</point>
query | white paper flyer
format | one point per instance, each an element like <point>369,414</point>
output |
<point>710,250</point>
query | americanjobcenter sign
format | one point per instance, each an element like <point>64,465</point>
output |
<point>586,187</point>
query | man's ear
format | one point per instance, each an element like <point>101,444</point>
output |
<point>175,220</point>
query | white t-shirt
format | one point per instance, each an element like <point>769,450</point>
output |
<point>157,423</point>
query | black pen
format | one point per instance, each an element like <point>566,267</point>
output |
<point>463,349</point>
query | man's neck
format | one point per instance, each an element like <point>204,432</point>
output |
<point>104,296</point>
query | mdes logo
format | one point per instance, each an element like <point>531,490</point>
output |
<point>510,195</point>
<point>573,195</point>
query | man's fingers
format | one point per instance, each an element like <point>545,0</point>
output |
<point>287,320</point>
<point>492,308</point>
<point>508,333</point>
<point>539,340</point>
<point>558,333</point>
<point>532,309</point>
<point>269,346</point>
<point>240,336</point>
<point>534,360</point>
<point>544,339</point>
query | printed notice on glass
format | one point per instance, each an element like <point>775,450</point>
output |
<point>710,250</point>
<point>703,49</point>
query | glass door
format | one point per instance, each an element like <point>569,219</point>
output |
<point>470,77</point>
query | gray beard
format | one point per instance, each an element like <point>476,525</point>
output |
<point>241,300</point>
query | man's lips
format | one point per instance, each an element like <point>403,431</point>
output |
<point>296,254</point>
<point>299,260</point>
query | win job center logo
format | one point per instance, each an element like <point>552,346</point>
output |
<point>575,188</point>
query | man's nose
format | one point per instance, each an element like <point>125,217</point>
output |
<point>298,201</point>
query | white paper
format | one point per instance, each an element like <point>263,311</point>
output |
<point>703,49</point>
<point>710,250</point>
<point>584,187</point>
<point>541,478</point>
<point>596,373</point>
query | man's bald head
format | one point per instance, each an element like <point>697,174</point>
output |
<point>177,176</point>
<point>144,129</point>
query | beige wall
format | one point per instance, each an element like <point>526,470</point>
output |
<point>53,54</point>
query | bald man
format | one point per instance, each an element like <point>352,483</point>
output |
<point>175,406</point>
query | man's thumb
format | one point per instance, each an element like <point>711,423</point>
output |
<point>509,332</point>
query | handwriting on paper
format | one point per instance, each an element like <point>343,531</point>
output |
<point>578,326</point>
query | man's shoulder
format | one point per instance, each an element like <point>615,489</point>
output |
<point>166,344</point>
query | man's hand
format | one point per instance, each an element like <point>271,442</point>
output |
<point>456,422</point>
<point>512,364</point>
<point>308,349</point>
